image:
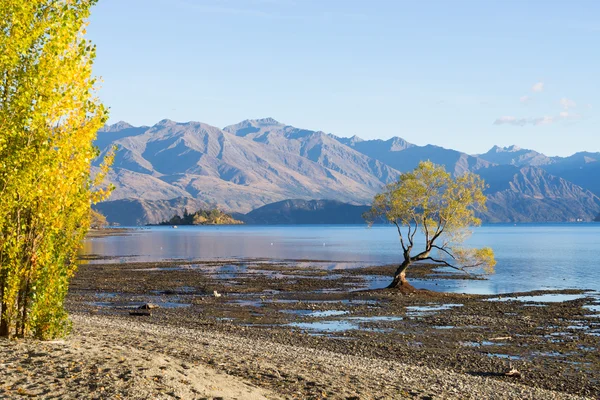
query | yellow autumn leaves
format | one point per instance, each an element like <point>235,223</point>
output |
<point>49,116</point>
<point>429,200</point>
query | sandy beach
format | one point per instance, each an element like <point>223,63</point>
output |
<point>113,357</point>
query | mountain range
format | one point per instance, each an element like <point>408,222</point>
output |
<point>161,169</point>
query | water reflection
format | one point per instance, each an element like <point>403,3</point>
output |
<point>530,257</point>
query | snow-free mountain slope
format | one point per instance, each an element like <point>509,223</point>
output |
<point>515,155</point>
<point>404,156</point>
<point>194,160</point>
<point>530,194</point>
<point>257,162</point>
<point>318,147</point>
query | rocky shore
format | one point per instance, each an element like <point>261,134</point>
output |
<point>304,330</point>
<point>113,357</point>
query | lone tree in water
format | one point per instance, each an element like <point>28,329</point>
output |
<point>442,208</point>
<point>49,117</point>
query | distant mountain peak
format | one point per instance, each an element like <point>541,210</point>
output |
<point>394,144</point>
<point>249,126</point>
<point>166,122</point>
<point>509,149</point>
<point>119,126</point>
<point>515,155</point>
<point>259,122</point>
<point>399,144</point>
<point>348,141</point>
<point>267,121</point>
<point>122,125</point>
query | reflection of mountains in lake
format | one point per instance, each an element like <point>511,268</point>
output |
<point>525,253</point>
<point>160,170</point>
<point>305,212</point>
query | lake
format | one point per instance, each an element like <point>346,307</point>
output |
<point>530,256</point>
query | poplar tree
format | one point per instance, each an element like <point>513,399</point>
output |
<point>49,116</point>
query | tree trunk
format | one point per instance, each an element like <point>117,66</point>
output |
<point>4,328</point>
<point>4,331</point>
<point>400,276</point>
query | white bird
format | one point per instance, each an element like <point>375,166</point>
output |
<point>216,294</point>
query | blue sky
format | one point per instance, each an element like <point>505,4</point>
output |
<point>460,74</point>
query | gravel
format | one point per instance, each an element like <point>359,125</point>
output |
<point>290,371</point>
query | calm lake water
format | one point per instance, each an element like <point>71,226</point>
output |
<point>530,257</point>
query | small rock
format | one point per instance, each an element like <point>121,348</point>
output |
<point>148,306</point>
<point>216,294</point>
<point>513,373</point>
<point>500,338</point>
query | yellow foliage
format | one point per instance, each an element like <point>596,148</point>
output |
<point>49,116</point>
<point>97,220</point>
<point>442,208</point>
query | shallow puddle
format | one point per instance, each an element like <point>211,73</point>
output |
<point>552,354</point>
<point>328,265</point>
<point>326,326</point>
<point>348,302</point>
<point>247,303</point>
<point>586,348</point>
<point>373,282</point>
<point>377,319</point>
<point>421,311</point>
<point>543,298</point>
<point>592,307</point>
<point>105,295</point>
<point>506,356</point>
<point>346,324</point>
<point>578,327</point>
<point>234,271</point>
<point>316,314</point>
<point>135,305</point>
<point>480,344</point>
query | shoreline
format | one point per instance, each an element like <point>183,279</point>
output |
<point>301,329</point>
<point>105,232</point>
<point>309,306</point>
<point>111,357</point>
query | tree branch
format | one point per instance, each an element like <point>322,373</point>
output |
<point>426,230</point>
<point>412,237</point>
<point>408,235</point>
<point>400,234</point>
<point>421,256</point>
<point>444,250</point>
<point>445,263</point>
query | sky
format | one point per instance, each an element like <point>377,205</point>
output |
<point>466,75</point>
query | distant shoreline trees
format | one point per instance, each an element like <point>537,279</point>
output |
<point>97,220</point>
<point>202,217</point>
<point>49,116</point>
